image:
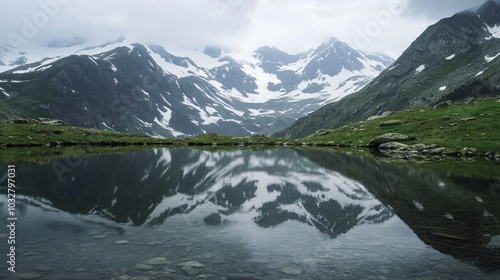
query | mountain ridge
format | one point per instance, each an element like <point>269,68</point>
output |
<point>143,88</point>
<point>449,56</point>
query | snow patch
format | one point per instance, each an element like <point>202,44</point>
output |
<point>491,58</point>
<point>43,68</point>
<point>93,61</point>
<point>418,205</point>
<point>420,68</point>
<point>146,124</point>
<point>393,67</point>
<point>146,93</point>
<point>494,31</point>
<point>205,116</point>
<point>107,126</point>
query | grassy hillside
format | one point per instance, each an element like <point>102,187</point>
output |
<point>54,133</point>
<point>472,124</point>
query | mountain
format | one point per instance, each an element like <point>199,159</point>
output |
<point>453,59</point>
<point>143,88</point>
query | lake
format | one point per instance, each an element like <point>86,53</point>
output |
<point>242,214</point>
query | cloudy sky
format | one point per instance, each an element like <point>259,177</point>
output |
<point>387,26</point>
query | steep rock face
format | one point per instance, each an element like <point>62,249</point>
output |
<point>231,76</point>
<point>272,58</point>
<point>450,56</point>
<point>331,58</point>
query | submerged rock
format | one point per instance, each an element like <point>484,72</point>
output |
<point>158,261</point>
<point>292,271</point>
<point>87,245</point>
<point>143,267</point>
<point>191,271</point>
<point>191,268</point>
<point>28,275</point>
<point>194,264</point>
<point>43,268</point>
<point>242,277</point>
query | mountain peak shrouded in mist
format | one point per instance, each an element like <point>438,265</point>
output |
<point>489,12</point>
<point>65,43</point>
<point>237,25</point>
<point>147,88</point>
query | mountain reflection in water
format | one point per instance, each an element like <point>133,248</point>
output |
<point>149,187</point>
<point>332,192</point>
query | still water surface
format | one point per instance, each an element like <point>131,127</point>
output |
<point>284,214</point>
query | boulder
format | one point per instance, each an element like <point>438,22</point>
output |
<point>391,123</point>
<point>389,137</point>
<point>393,146</point>
<point>51,122</point>
<point>385,114</point>
<point>435,151</point>
<point>468,119</point>
<point>418,147</point>
<point>321,132</point>
<point>445,104</point>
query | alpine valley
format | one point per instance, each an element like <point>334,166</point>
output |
<point>170,91</point>
<point>148,89</point>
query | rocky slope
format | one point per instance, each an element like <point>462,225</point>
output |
<point>453,59</point>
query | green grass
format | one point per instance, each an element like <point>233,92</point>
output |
<point>38,134</point>
<point>428,127</point>
<point>213,138</point>
<point>43,154</point>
